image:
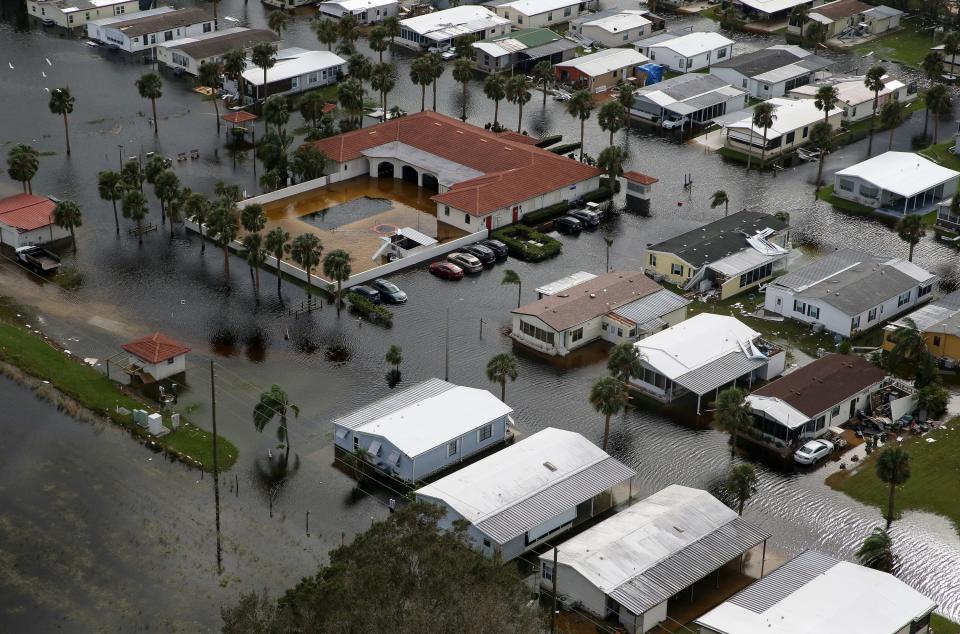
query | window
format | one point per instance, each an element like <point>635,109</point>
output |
<point>903,299</point>
<point>486,432</point>
<point>653,54</point>
<point>566,12</point>
<point>626,36</point>
<point>603,326</point>
<point>550,17</point>
<point>537,333</point>
<point>547,571</point>
<point>744,82</point>
<point>821,422</point>
<point>653,259</point>
<point>452,448</point>
<point>676,269</point>
<point>721,53</point>
<point>170,361</point>
<point>356,443</point>
<point>466,219</point>
<point>576,335</point>
<point>207,27</point>
<point>519,19</point>
<point>806,131</point>
<point>446,210</point>
<point>924,290</point>
<point>871,315</point>
<point>167,36</point>
<point>835,411</point>
<point>313,78</point>
<point>619,332</point>
<point>813,311</point>
<point>846,184</point>
<point>632,333</point>
<point>799,307</point>
<point>70,19</point>
<point>757,274</point>
<point>153,38</point>
<point>766,88</point>
<point>506,15</point>
<point>869,191</point>
<point>936,340</point>
<point>855,323</point>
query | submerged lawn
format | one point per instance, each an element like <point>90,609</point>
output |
<point>906,46</point>
<point>42,360</point>
<point>934,483</point>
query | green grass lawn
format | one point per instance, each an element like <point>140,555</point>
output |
<point>826,194</point>
<point>934,483</point>
<point>906,46</point>
<point>943,625</point>
<point>96,392</point>
<point>940,153</point>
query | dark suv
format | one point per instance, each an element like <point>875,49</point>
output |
<point>482,253</point>
<point>367,293</point>
<point>389,292</point>
<point>567,224</point>
<point>499,248</point>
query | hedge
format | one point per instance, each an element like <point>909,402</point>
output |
<point>373,312</point>
<point>565,148</point>
<point>517,238</point>
<point>545,213</point>
<point>549,140</point>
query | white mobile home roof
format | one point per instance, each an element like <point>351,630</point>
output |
<point>427,415</point>
<point>536,7</point>
<point>772,6</point>
<point>619,22</point>
<point>603,62</point>
<point>790,114</point>
<point>455,21</point>
<point>125,18</point>
<point>817,593</point>
<point>564,283</point>
<point>903,173</point>
<point>293,62</point>
<point>778,410</point>
<point>528,483</point>
<point>694,343</point>
<point>360,5</point>
<point>693,44</point>
<point>852,91</point>
<point>658,546</point>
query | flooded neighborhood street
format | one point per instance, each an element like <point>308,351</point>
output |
<point>98,533</point>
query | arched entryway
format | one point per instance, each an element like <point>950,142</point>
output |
<point>385,170</point>
<point>430,182</point>
<point>410,175</point>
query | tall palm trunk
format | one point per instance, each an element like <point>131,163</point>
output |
<point>116,218</point>
<point>519,290</point>
<point>156,129</point>
<point>750,148</point>
<point>226,262</point>
<point>140,232</point>
<point>279,276</point>
<point>910,257</point>
<point>66,131</point>
<point>286,440</point>
<point>544,94</point>
<point>463,116</point>
<point>873,119</point>
<point>823,154</point>
<point>520,117</point>
<point>203,242</point>
<point>423,97</point>
<point>339,296</point>
<point>73,240</point>
<point>264,84</point>
<point>434,95</point>
<point>582,124</point>
<point>606,431</point>
<point>216,109</point>
<point>503,391</point>
<point>893,488</point>
<point>936,131</point>
<point>496,111</point>
<point>926,120</point>
<point>763,150</point>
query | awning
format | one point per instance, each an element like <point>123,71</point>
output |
<point>548,49</point>
<point>238,117</point>
<point>394,458</point>
<point>374,449</point>
<point>724,370</point>
<point>341,433</point>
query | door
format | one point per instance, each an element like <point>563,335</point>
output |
<point>516,215</point>
<point>489,221</point>
<point>853,408</point>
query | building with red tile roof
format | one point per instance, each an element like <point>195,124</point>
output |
<point>27,219</point>
<point>157,356</point>
<point>478,174</point>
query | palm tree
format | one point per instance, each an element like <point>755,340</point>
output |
<point>763,118</point>
<point>909,347</point>
<point>580,106</point>
<point>511,277</point>
<point>150,86</point>
<point>277,244</point>
<point>543,77</point>
<point>434,64</point>
<point>67,215</point>
<point>306,250</point>
<point>394,357</point>
<point>210,74</point>
<point>383,80</point>
<point>61,103</point>
<point>256,255</point>
<point>264,56</point>
<point>939,103</point>
<point>234,63</point>
<point>23,162</point>
<point>626,100</point>
<point>166,186</point>
<point>379,41</point>
<point>932,67</point>
<point>500,368</point>
<point>821,136</point>
<point>518,92</point>
<point>892,114</point>
<point>421,75</point>
<point>359,67</point>
<point>391,25</point>
<point>252,218</point>
<point>798,16</point>
<point>732,414</point>
<point>350,96</point>
<point>610,117</point>
<point>109,186</point>
<point>910,229</point>
<point>893,468</point>
<point>877,551</point>
<point>307,162</point>
<point>951,47</point>
<point>608,398</point>
<point>197,208</point>
<point>874,83</point>
<point>152,169</point>
<point>223,224</point>
<point>276,112</point>
<point>495,88</point>
<point>611,161</point>
<point>720,198</point>
<point>326,32</point>
<point>815,33</point>
<point>177,206</point>
<point>134,207</point>
<point>463,73</point>
<point>347,27</point>
<point>624,363</point>
<point>742,483</point>
<point>133,175</point>
<point>337,267</point>
<point>277,22</point>
<point>274,403</point>
<point>825,99</point>
<point>311,107</point>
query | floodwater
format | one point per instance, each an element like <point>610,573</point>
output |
<point>330,365</point>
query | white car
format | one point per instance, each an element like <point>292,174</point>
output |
<point>674,121</point>
<point>813,451</point>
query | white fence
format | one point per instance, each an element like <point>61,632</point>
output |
<point>292,190</point>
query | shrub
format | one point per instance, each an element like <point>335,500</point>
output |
<point>545,213</point>
<point>565,148</point>
<point>597,195</point>
<point>547,141</point>
<point>517,238</point>
<point>373,312</point>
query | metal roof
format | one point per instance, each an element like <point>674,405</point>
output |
<point>882,11</point>
<point>605,61</point>
<point>393,402</point>
<point>450,23</point>
<point>651,307</point>
<point>550,48</point>
<point>933,314</point>
<point>903,173</point>
<point>564,283</point>
<point>691,44</point>
<point>720,238</point>
<point>743,261</point>
<point>719,372</point>
<point>293,62</point>
<point>784,581</point>
<point>822,268</point>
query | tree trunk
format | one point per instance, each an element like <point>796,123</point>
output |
<point>733,444</point>
<point>286,440</point>
<point>926,120</point>
<point>873,120</point>
<point>496,111</point>
<point>910,257</point>
<point>893,488</point>
<point>740,503</point>
<point>823,154</point>
<point>434,95</point>
<point>66,131</point>
<point>256,282</point>
<point>203,242</point>
<point>726,207</point>
<point>307,267</point>
<point>750,148</point>
<point>116,218</point>
<point>544,94</point>
<point>763,150</point>
<point>520,117</point>
<point>423,97</point>
<point>463,117</point>
<point>279,278</point>
<point>339,291</point>
<point>216,109</point>
<point>140,232</point>
<point>264,84</point>
<point>606,431</point>
<point>73,239</point>
<point>890,143</point>
<point>156,129</point>
<point>519,291</point>
<point>503,390</point>
<point>611,137</point>
<point>582,123</point>
<point>163,213</point>
<point>936,130</point>
<point>30,187</point>
<point>226,262</point>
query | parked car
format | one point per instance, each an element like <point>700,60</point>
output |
<point>467,262</point>
<point>567,224</point>
<point>674,121</point>
<point>498,248</point>
<point>482,253</point>
<point>446,270</point>
<point>587,218</point>
<point>367,293</point>
<point>390,293</point>
<point>813,451</point>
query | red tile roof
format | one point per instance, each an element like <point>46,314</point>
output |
<point>155,348</point>
<point>824,383</point>
<point>514,171</point>
<point>26,211</point>
<point>518,137</point>
<point>643,179</point>
<point>240,116</point>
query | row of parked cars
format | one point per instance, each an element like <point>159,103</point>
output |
<point>577,220</point>
<point>380,291</point>
<point>470,259</point>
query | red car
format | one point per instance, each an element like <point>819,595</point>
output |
<point>446,270</point>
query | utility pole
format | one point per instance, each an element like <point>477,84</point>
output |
<point>216,467</point>
<point>553,615</point>
<point>609,242</point>
<point>446,351</point>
